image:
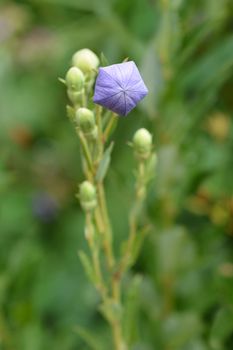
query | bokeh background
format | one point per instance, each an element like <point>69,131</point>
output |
<point>180,292</point>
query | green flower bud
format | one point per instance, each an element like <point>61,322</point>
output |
<point>75,97</point>
<point>142,143</point>
<point>74,80</point>
<point>86,121</point>
<point>86,60</point>
<point>87,196</point>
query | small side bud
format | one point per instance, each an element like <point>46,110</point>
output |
<point>86,60</point>
<point>74,79</point>
<point>142,143</point>
<point>87,196</point>
<point>86,121</point>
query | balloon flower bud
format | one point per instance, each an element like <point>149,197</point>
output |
<point>74,79</point>
<point>142,143</point>
<point>86,60</point>
<point>87,196</point>
<point>86,122</point>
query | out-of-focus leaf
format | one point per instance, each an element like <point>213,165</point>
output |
<point>152,75</point>
<point>175,251</point>
<point>179,329</point>
<point>222,327</point>
<point>211,69</point>
<point>90,339</point>
<point>131,310</point>
<point>103,60</point>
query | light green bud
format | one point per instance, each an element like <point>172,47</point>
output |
<point>75,97</point>
<point>74,80</point>
<point>86,60</point>
<point>86,121</point>
<point>142,143</point>
<point>87,196</point>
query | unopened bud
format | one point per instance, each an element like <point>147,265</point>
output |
<point>142,143</point>
<point>86,121</point>
<point>86,60</point>
<point>87,196</point>
<point>74,79</point>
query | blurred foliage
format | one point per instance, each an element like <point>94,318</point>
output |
<point>181,295</point>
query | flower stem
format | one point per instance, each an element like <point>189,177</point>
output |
<point>133,219</point>
<point>86,151</point>
<point>100,132</point>
<point>110,126</point>
<point>90,236</point>
<point>107,227</point>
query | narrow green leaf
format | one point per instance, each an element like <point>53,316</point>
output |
<point>138,243</point>
<point>104,164</point>
<point>62,81</point>
<point>103,60</point>
<point>131,309</point>
<point>89,338</point>
<point>222,327</point>
<point>87,266</point>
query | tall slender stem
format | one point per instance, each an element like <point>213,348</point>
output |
<point>90,236</point>
<point>110,126</point>
<point>107,226</point>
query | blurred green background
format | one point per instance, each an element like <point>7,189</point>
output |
<point>181,290</point>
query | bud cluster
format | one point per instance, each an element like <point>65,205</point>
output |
<point>94,130</point>
<point>85,62</point>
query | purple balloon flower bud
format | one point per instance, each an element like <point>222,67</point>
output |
<point>119,87</point>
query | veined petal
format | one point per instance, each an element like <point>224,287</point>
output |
<point>119,87</point>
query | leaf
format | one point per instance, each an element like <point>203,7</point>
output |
<point>151,71</point>
<point>131,313</point>
<point>214,67</point>
<point>151,167</point>
<point>175,251</point>
<point>89,338</point>
<point>87,266</point>
<point>103,60</point>
<point>222,327</point>
<point>138,243</point>
<point>62,81</point>
<point>104,164</point>
<point>180,329</point>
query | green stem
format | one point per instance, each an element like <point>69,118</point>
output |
<point>133,219</point>
<point>90,236</point>
<point>86,151</point>
<point>110,126</point>
<point>100,131</point>
<point>117,336</point>
<point>107,227</point>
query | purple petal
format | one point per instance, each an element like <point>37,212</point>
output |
<point>119,87</point>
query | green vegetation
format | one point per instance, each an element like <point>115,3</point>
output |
<point>180,293</point>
